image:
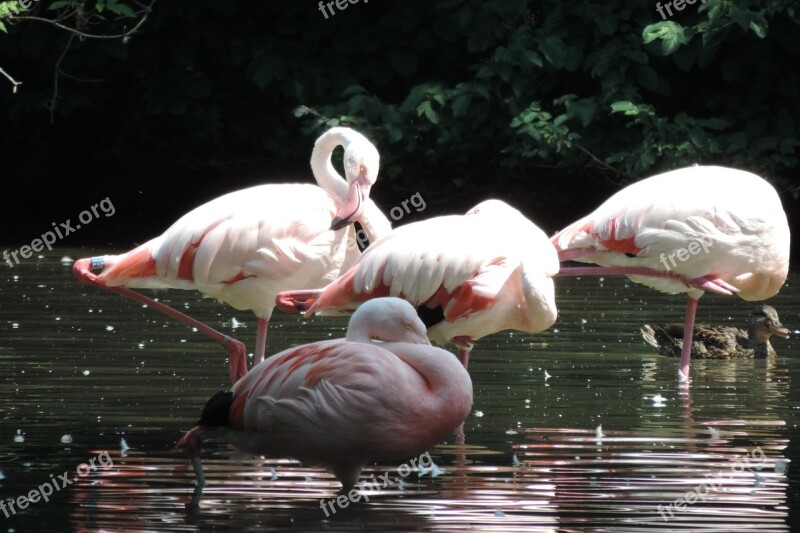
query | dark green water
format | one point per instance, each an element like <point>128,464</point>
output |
<point>82,362</point>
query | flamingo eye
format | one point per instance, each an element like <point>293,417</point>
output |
<point>362,169</point>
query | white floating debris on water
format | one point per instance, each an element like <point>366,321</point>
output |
<point>780,466</point>
<point>499,513</point>
<point>86,372</point>
<point>19,437</point>
<point>478,414</point>
<point>511,432</point>
<point>123,446</point>
<point>515,460</point>
<point>109,328</point>
<point>599,432</point>
<point>433,470</point>
<point>67,259</point>
<point>658,400</point>
<point>714,432</point>
<point>759,480</point>
<point>2,475</point>
<point>15,325</point>
<point>274,474</point>
<point>546,375</point>
<point>66,439</point>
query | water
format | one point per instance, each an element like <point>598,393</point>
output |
<point>82,362</point>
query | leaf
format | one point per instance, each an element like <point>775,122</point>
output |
<point>759,27</point>
<point>3,27</point>
<point>554,50</point>
<point>123,10</point>
<point>58,5</point>
<point>425,109</point>
<point>461,105</point>
<point>625,106</point>
<point>301,111</point>
<point>670,36</point>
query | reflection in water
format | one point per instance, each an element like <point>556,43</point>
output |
<point>78,361</point>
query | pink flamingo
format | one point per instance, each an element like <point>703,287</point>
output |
<point>246,246</point>
<point>691,230</point>
<point>381,393</point>
<point>468,276</point>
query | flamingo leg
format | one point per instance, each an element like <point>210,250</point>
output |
<point>261,340</point>
<point>82,269</point>
<point>688,337</point>
<point>716,285</point>
<point>465,345</point>
<point>463,356</point>
<point>571,255</point>
<point>192,443</point>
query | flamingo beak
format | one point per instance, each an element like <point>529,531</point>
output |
<point>353,204</point>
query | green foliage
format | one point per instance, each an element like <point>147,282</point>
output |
<point>458,94</point>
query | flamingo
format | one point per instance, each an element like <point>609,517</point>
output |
<point>381,393</point>
<point>244,247</point>
<point>468,276</point>
<point>691,230</point>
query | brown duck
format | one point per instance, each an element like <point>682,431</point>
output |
<point>721,342</point>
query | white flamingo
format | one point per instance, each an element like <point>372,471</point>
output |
<point>696,229</point>
<point>468,276</point>
<point>246,246</point>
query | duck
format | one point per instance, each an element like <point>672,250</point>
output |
<point>721,342</point>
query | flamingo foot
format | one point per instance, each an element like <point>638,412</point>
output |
<point>296,301</point>
<point>716,285</point>
<point>83,268</point>
<point>465,345</point>
<point>237,354</point>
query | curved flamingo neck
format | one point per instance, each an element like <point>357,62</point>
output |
<point>441,372</point>
<point>321,165</point>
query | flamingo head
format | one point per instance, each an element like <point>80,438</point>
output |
<point>361,164</point>
<point>387,320</point>
<point>215,414</point>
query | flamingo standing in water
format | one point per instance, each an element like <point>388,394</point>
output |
<point>468,276</point>
<point>246,246</point>
<point>691,230</point>
<point>381,393</point>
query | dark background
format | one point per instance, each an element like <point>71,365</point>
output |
<point>549,105</point>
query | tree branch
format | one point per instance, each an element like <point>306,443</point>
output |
<point>12,80</point>
<point>94,36</point>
